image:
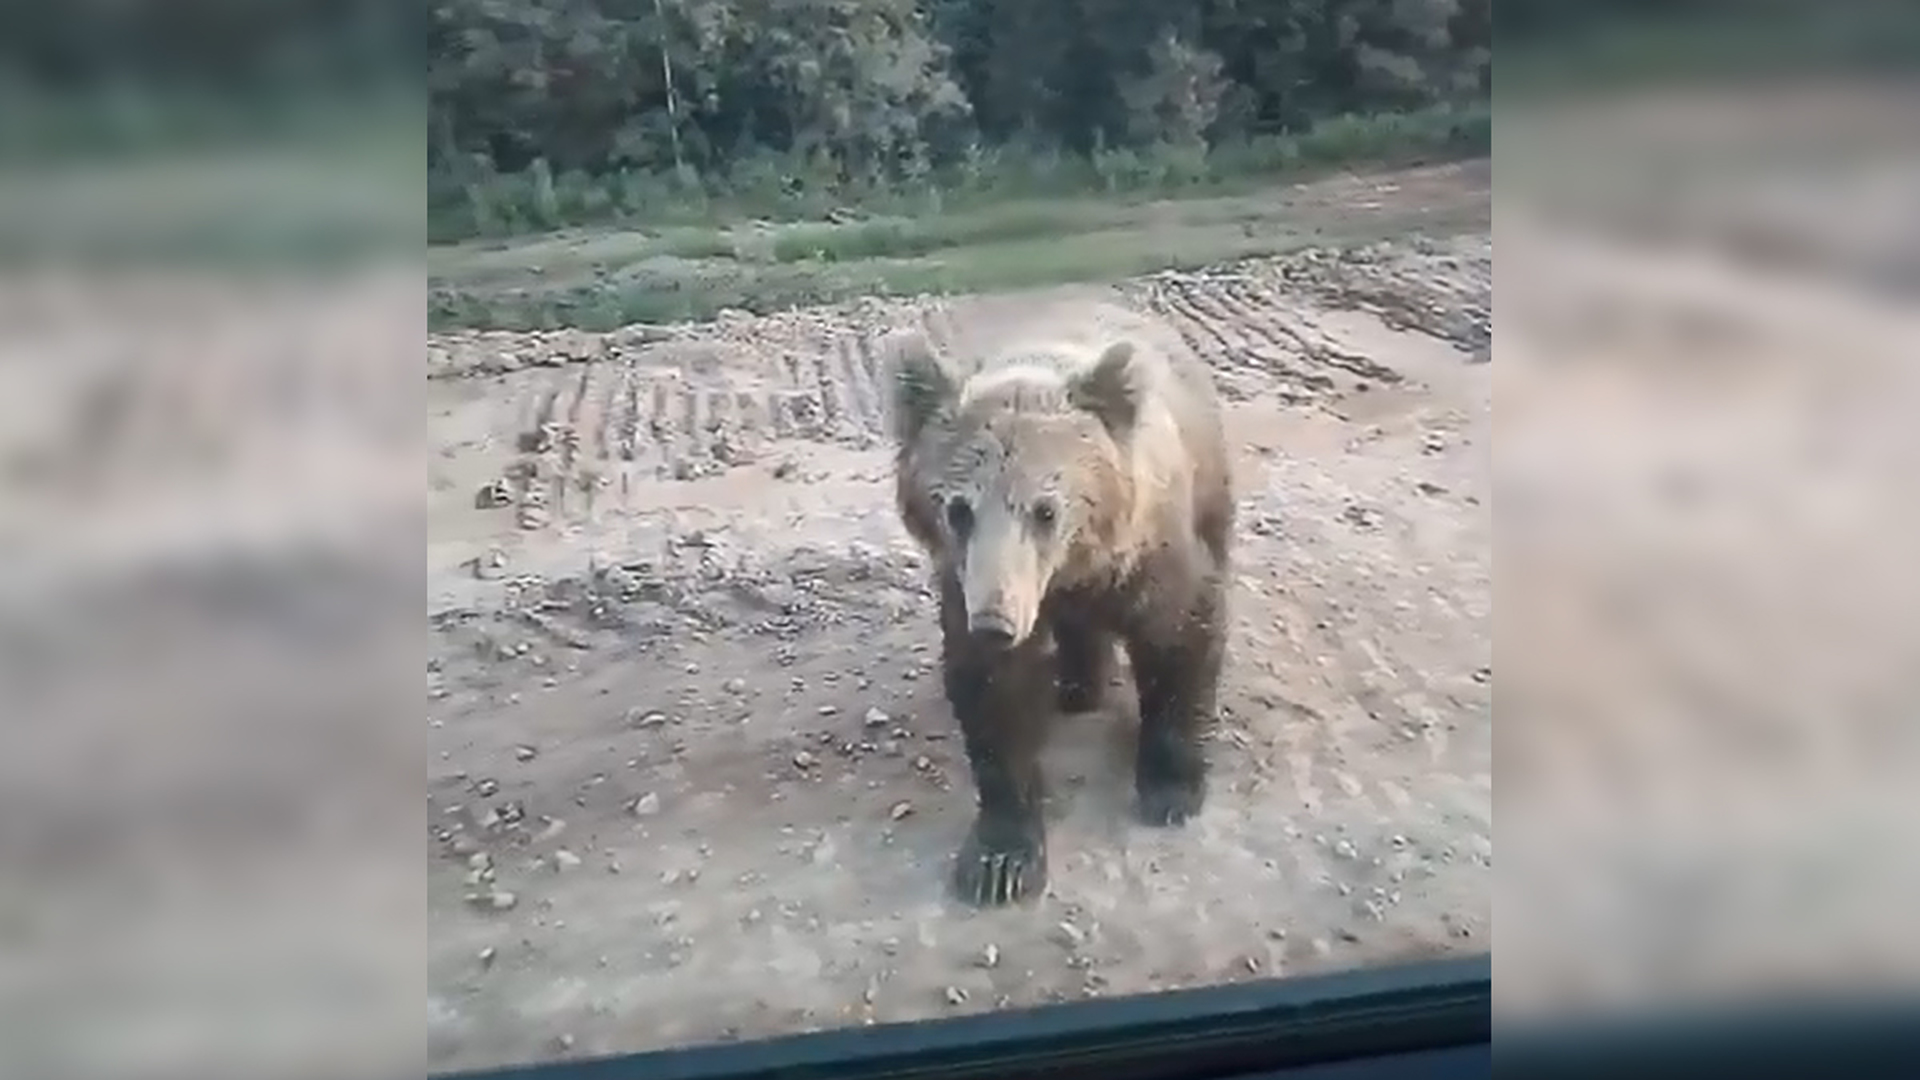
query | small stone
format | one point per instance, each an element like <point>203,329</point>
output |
<point>647,805</point>
<point>900,810</point>
<point>497,899</point>
<point>486,788</point>
<point>493,495</point>
<point>479,860</point>
<point>877,719</point>
<point>805,759</point>
<point>486,957</point>
<point>735,686</point>
<point>956,996</point>
<point>990,956</point>
<point>563,1042</point>
<point>564,860</point>
<point>645,718</point>
<point>923,763</point>
<point>525,753</point>
<point>829,710</point>
<point>1069,936</point>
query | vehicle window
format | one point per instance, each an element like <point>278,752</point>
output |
<point>951,506</point>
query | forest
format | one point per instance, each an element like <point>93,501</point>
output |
<point>548,112</point>
<point>543,113</point>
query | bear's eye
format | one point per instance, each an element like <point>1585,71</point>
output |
<point>1045,515</point>
<point>959,516</point>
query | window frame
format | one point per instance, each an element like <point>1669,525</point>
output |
<point>1403,1020</point>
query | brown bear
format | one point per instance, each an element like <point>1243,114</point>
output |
<point>1068,475</point>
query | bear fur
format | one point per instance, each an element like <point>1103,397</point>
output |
<point>1066,471</point>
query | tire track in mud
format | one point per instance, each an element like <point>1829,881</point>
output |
<point>619,411</point>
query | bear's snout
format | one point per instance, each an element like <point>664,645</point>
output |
<point>1001,585</point>
<point>992,629</point>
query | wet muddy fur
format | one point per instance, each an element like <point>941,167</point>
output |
<point>1169,615</point>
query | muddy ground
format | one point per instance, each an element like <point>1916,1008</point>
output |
<point>691,777</point>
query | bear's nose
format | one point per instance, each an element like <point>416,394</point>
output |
<point>992,630</point>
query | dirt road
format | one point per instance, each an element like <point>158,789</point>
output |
<point>691,777</point>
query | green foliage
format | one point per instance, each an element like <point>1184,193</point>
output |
<point>566,112</point>
<point>601,278</point>
<point>502,204</point>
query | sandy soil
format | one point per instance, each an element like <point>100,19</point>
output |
<point>691,777</point>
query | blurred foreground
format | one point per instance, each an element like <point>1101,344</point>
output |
<point>210,512</point>
<point>1708,774</point>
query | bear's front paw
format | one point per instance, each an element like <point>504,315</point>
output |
<point>1000,864</point>
<point>1169,802</point>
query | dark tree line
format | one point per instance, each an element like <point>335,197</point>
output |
<point>877,90</point>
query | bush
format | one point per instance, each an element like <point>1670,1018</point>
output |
<point>783,188</point>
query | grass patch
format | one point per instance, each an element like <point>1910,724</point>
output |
<point>602,280</point>
<point>486,205</point>
<point>1015,222</point>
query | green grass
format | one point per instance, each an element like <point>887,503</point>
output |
<point>666,250</point>
<point>500,206</point>
<point>598,280</point>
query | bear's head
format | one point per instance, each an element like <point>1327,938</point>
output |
<point>1018,480</point>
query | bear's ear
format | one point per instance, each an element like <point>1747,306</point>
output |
<point>1110,390</point>
<point>923,388</point>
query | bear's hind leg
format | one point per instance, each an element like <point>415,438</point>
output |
<point>1003,699</point>
<point>1086,666</point>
